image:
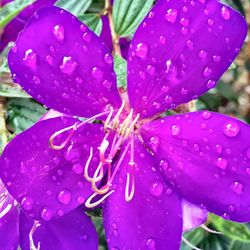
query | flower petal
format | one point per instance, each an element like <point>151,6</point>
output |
<point>72,74</point>
<point>48,182</point>
<point>207,157</point>
<point>73,231</point>
<point>9,220</point>
<point>152,219</point>
<point>193,216</point>
<point>179,52</point>
<point>12,29</point>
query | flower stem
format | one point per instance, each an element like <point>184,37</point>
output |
<point>3,129</point>
<point>115,37</point>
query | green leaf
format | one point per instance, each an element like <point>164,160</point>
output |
<point>128,14</point>
<point>13,90</point>
<point>93,21</point>
<point>120,67</point>
<point>23,113</point>
<point>76,7</point>
<point>11,10</point>
<point>238,245</point>
<point>194,237</point>
<point>233,230</point>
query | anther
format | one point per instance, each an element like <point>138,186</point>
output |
<point>128,131</point>
<point>108,118</point>
<point>115,121</point>
<point>125,123</point>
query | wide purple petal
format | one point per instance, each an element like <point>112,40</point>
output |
<point>72,231</point>
<point>207,157</point>
<point>69,73</point>
<point>48,182</point>
<point>9,220</point>
<point>12,29</point>
<point>152,219</point>
<point>193,216</point>
<point>179,52</point>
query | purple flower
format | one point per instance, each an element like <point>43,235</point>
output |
<point>140,164</point>
<point>72,231</point>
<point>12,29</point>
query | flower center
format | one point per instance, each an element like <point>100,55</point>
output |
<point>121,126</point>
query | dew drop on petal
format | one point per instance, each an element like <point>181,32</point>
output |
<point>184,21</point>
<point>97,73</point>
<point>77,168</point>
<point>108,58</point>
<point>216,58</point>
<point>203,54</point>
<point>237,187</point>
<point>248,153</point>
<point>46,214</point>
<point>162,40</point>
<point>156,188</point>
<point>207,72</point>
<point>171,15</point>
<point>175,130</point>
<point>36,80</point>
<point>86,37</point>
<point>221,163</point>
<point>64,197</point>
<point>58,32</point>
<point>30,59</point>
<point>231,129</point>
<point>225,13</point>
<point>154,143</point>
<point>68,65</point>
<point>27,203</point>
<point>211,84</point>
<point>206,115</point>
<point>151,244</point>
<point>141,50</point>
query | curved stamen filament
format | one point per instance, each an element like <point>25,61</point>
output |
<point>73,128</point>
<point>65,142</point>
<point>31,233</point>
<point>209,230</point>
<point>130,194</point>
<point>89,203</point>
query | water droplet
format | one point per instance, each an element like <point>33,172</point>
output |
<point>248,153</point>
<point>171,15</point>
<point>27,203</point>
<point>36,80</point>
<point>211,84</point>
<point>68,65</point>
<point>151,70</point>
<point>216,58</point>
<point>237,187</point>
<point>141,50</point>
<point>203,54</point>
<point>231,129</point>
<point>156,188</point>
<point>207,72</point>
<point>162,40</point>
<point>151,244</point>
<point>77,168</point>
<point>46,214</point>
<point>184,22</point>
<point>175,130</point>
<point>206,115</point>
<point>86,37</point>
<point>154,143</point>
<point>64,197</point>
<point>58,32</point>
<point>97,73</point>
<point>221,163</point>
<point>107,84</point>
<point>30,59</point>
<point>108,58</point>
<point>190,44</point>
<point>225,13</point>
<point>151,14</point>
